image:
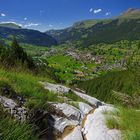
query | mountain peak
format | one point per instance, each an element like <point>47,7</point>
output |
<point>132,10</point>
<point>131,13</point>
<point>10,25</point>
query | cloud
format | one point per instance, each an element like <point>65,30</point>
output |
<point>30,25</point>
<point>25,18</point>
<point>3,15</point>
<point>50,25</point>
<point>108,13</point>
<point>96,11</point>
<point>90,10</point>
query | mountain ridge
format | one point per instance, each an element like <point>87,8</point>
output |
<point>10,25</point>
<point>90,32</point>
<point>27,36</point>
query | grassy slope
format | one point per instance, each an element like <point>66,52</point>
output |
<point>128,123</point>
<point>27,85</point>
<point>120,81</point>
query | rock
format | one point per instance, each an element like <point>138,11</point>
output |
<point>60,123</point>
<point>89,99</point>
<point>65,90</point>
<point>9,105</point>
<point>69,111</point>
<point>74,135</point>
<point>95,126</point>
<point>85,108</point>
<point>56,88</point>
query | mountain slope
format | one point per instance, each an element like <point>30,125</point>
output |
<point>131,13</point>
<point>10,25</point>
<point>124,27</point>
<point>7,31</point>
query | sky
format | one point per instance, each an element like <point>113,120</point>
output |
<point>57,14</point>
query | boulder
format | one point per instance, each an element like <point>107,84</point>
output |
<point>69,111</point>
<point>94,127</point>
<point>56,88</point>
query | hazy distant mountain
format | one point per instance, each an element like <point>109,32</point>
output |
<point>8,30</point>
<point>125,26</point>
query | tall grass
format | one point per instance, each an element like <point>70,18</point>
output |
<point>128,121</point>
<point>27,85</point>
<point>13,130</point>
<point>120,81</point>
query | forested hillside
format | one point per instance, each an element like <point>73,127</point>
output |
<point>7,31</point>
<point>85,33</point>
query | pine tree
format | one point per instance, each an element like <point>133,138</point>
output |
<point>17,51</point>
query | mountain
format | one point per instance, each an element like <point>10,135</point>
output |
<point>124,27</point>
<point>7,31</point>
<point>10,25</point>
<point>131,13</point>
<point>85,24</point>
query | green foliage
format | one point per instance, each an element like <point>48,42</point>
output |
<point>15,56</point>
